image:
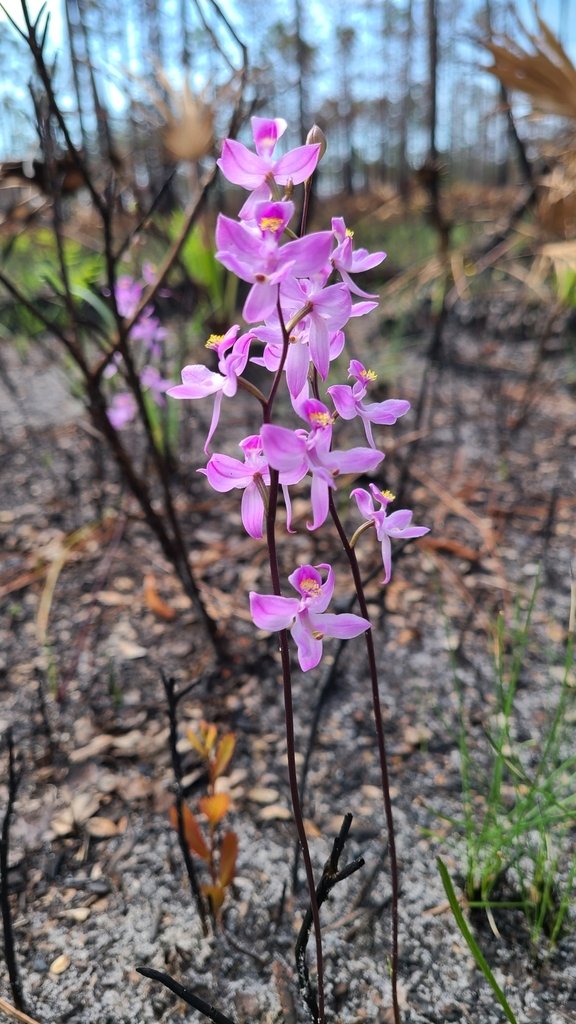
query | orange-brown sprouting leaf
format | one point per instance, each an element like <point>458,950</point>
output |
<point>228,854</point>
<point>215,807</point>
<point>208,733</point>
<point>197,743</point>
<point>155,602</point>
<point>192,832</point>
<point>223,754</point>
<point>215,894</point>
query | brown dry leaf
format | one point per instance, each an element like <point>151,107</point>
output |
<point>454,547</point>
<point>275,812</point>
<point>134,789</point>
<point>189,131</point>
<point>82,807</point>
<point>112,598</point>
<point>263,795</point>
<point>99,745</point>
<point>311,829</point>
<point>60,964</point>
<point>101,828</point>
<point>154,602</point>
<point>131,651</point>
<point>546,75</point>
<point>393,594</point>
<point>78,914</point>
<point>407,636</point>
<point>416,734</point>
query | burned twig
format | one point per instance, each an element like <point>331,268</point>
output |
<point>189,997</point>
<point>172,698</point>
<point>70,331</point>
<point>331,875</point>
<point>14,777</point>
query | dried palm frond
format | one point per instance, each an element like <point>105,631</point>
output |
<point>546,75</point>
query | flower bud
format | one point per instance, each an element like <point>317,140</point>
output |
<point>315,136</point>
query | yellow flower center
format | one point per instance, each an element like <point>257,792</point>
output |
<point>321,419</point>
<point>388,495</point>
<point>368,375</point>
<point>271,223</point>
<point>349,233</point>
<point>311,587</point>
<point>214,340</point>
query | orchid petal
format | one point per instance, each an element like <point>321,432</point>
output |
<point>386,557</point>
<point>344,401</point>
<point>266,133</point>
<point>309,253</point>
<point>241,166</point>
<point>197,382</point>
<point>327,589</point>
<point>337,341</point>
<point>224,473</point>
<point>363,260</point>
<point>271,612</point>
<point>319,342</point>
<point>297,165</point>
<point>360,308</point>
<point>368,430</point>
<point>297,364</point>
<point>355,460</point>
<point>344,626</point>
<point>309,648</point>
<point>319,500</point>
<point>283,448</point>
<point>386,412</point>
<point>252,510</point>
<point>398,520</point>
<point>364,502</point>
<point>215,418</point>
<point>261,301</point>
<point>257,196</point>
<point>288,504</point>
<point>302,575</point>
<point>352,286</point>
<point>237,238</point>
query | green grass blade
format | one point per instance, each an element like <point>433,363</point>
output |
<point>473,945</point>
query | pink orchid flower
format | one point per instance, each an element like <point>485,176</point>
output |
<point>198,381</point>
<point>298,358</point>
<point>352,261</point>
<point>127,293</point>
<point>122,409</point>
<point>396,525</point>
<point>297,450</point>
<point>258,171</point>
<point>150,378</point>
<point>148,330</point>
<point>348,401</point>
<point>306,616</point>
<point>253,254</point>
<point>327,310</point>
<point>224,473</point>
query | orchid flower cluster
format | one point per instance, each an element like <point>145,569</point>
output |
<point>300,299</point>
<point>148,331</point>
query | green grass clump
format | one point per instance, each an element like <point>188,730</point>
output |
<point>517,814</point>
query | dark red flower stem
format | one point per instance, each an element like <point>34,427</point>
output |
<point>287,680</point>
<point>379,724</point>
<point>377,708</point>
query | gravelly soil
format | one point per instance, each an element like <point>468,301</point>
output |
<point>508,497</point>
